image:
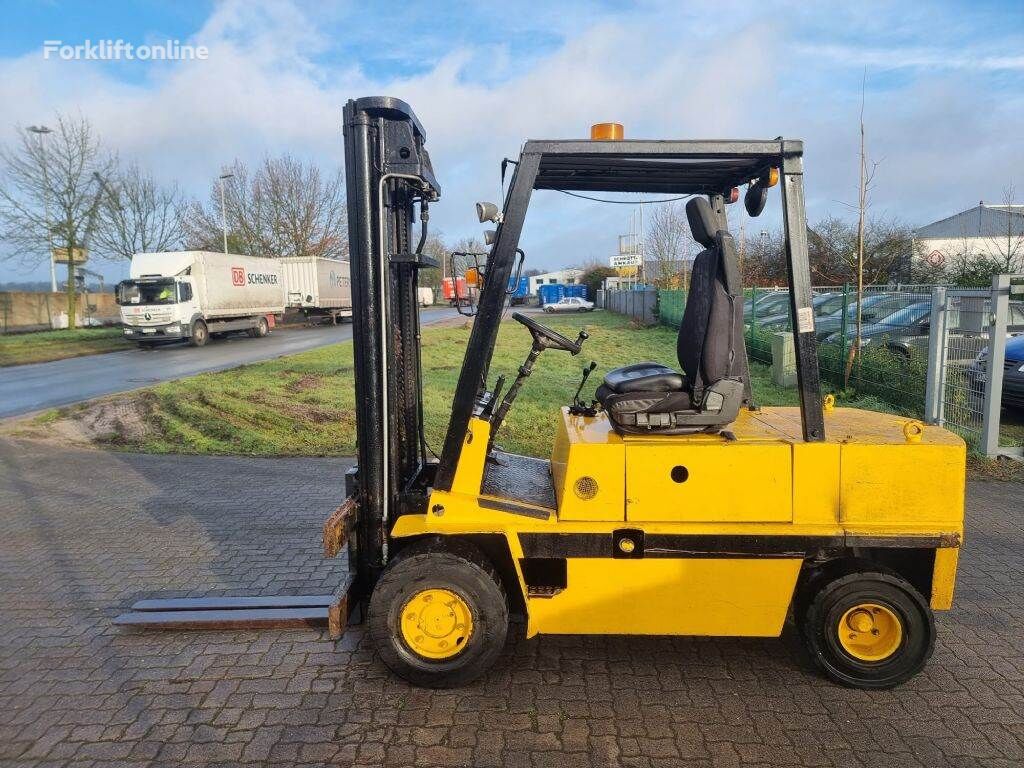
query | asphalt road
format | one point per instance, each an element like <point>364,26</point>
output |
<point>28,388</point>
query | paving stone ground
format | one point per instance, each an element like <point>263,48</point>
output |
<point>83,534</point>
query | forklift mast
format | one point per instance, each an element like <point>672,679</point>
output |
<point>388,176</point>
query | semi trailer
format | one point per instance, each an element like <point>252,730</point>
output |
<point>190,295</point>
<point>317,287</point>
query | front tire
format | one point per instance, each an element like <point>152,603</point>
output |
<point>438,616</point>
<point>868,629</point>
<point>200,334</point>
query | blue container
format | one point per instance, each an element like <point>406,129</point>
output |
<point>576,291</point>
<point>550,294</point>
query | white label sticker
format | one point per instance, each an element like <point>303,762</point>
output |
<point>804,320</point>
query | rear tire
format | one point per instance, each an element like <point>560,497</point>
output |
<point>467,629</point>
<point>200,334</point>
<point>262,328</point>
<point>867,629</point>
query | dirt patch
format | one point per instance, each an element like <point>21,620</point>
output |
<point>115,421</point>
<point>305,383</point>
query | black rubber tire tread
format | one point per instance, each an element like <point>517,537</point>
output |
<point>849,587</point>
<point>205,336</point>
<point>445,564</point>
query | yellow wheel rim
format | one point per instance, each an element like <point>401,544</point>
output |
<point>870,632</point>
<point>436,623</point>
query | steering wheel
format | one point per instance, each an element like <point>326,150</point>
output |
<point>546,338</point>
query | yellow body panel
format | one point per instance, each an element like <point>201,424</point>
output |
<point>872,480</point>
<point>944,578</point>
<point>595,453</point>
<point>700,596</point>
<point>708,485</point>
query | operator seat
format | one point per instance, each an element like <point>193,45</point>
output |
<point>646,398</point>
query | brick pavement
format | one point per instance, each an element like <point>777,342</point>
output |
<point>83,534</point>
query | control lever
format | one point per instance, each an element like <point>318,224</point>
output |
<point>578,408</point>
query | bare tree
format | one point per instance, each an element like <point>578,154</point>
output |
<point>285,208</point>
<point>763,261</point>
<point>1007,249</point>
<point>49,195</point>
<point>141,217</point>
<point>669,244</point>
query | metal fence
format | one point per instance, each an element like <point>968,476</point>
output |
<point>642,305</point>
<point>974,386</point>
<point>920,348</point>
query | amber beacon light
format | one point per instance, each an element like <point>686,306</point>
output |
<point>606,132</point>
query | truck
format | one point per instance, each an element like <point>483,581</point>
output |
<point>518,292</point>
<point>317,287</point>
<point>426,295</point>
<point>456,292</point>
<point>191,295</point>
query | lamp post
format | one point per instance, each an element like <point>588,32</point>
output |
<point>41,131</point>
<point>223,214</point>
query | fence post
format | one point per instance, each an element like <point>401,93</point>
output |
<point>1000,304</point>
<point>842,333</point>
<point>933,392</point>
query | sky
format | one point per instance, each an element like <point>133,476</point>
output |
<point>943,82</point>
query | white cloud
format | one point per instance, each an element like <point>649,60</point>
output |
<point>273,82</point>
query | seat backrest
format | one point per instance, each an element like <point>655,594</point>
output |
<point>710,344</point>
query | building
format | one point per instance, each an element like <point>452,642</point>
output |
<point>562,276</point>
<point>656,273</point>
<point>990,231</point>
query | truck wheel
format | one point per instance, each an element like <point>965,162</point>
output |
<point>438,616</point>
<point>200,334</point>
<point>868,629</point>
<point>262,328</point>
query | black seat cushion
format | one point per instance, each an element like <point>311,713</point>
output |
<point>644,377</point>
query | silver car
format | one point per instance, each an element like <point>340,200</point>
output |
<point>570,304</point>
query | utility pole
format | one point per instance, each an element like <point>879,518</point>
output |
<point>41,131</point>
<point>223,214</point>
<point>743,248</point>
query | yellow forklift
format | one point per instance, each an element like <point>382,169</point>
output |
<point>672,504</point>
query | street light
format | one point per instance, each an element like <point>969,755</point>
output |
<point>41,131</point>
<point>223,215</point>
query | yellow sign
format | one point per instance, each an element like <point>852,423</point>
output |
<point>79,255</point>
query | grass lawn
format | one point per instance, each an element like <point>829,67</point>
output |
<point>41,347</point>
<point>304,405</point>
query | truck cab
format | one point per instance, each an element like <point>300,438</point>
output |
<point>157,308</point>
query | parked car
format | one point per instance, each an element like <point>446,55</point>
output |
<point>1013,373</point>
<point>762,296</point>
<point>914,320</point>
<point>874,307</point>
<point>823,304</point>
<point>771,305</point>
<point>570,304</point>
<point>962,343</point>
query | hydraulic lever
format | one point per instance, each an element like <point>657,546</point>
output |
<point>578,408</point>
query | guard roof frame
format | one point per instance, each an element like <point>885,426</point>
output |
<point>683,167</point>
